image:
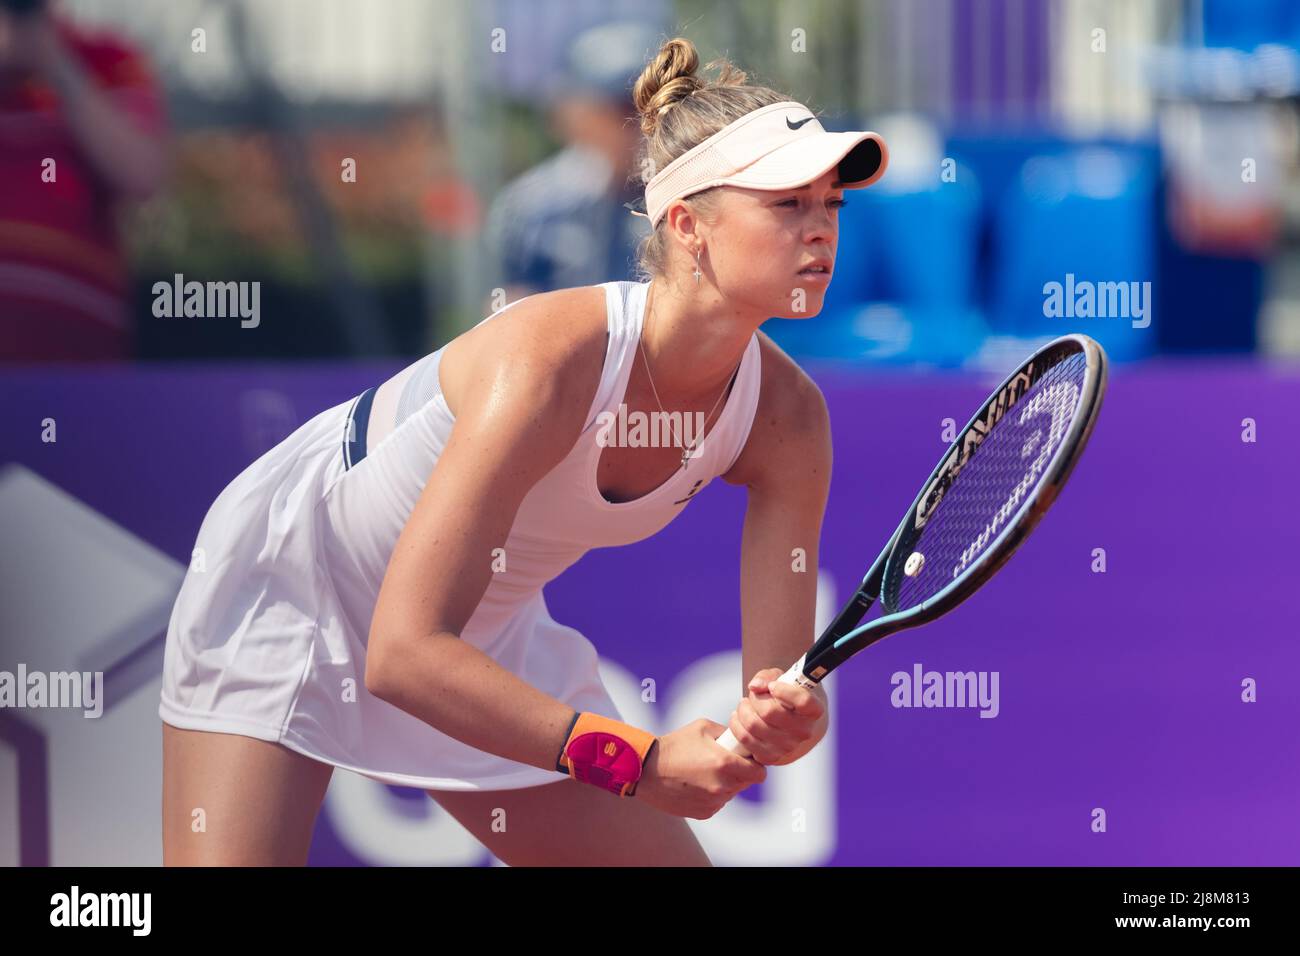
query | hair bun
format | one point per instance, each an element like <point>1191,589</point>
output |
<point>667,79</point>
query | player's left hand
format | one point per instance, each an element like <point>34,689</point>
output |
<point>778,722</point>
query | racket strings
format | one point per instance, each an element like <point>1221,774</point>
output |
<point>1002,474</point>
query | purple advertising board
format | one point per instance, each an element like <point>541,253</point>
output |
<point>1139,654</point>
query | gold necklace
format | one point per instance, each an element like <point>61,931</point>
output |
<point>686,450</point>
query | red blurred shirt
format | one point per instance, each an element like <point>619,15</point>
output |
<point>63,278</point>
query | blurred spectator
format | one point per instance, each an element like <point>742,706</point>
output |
<point>81,127</point>
<point>563,223</point>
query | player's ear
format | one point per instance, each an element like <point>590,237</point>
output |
<point>683,223</point>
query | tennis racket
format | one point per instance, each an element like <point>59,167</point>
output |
<point>989,490</point>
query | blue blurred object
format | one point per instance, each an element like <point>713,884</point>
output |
<point>904,279</point>
<point>885,333</point>
<point>995,159</point>
<point>1210,303</point>
<point>953,274</point>
<point>1070,223</point>
<point>1245,24</point>
<point>927,243</point>
<point>605,60</point>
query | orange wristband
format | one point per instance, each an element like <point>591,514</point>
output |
<point>605,752</point>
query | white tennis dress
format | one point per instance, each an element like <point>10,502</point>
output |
<point>268,634</point>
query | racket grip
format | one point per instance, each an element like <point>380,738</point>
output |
<point>793,676</point>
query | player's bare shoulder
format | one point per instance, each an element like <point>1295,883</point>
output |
<point>552,340</point>
<point>790,422</point>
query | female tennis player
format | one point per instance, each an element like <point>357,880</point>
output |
<point>368,593</point>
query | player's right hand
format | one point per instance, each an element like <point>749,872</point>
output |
<point>689,775</point>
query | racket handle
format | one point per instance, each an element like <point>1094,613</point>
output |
<point>793,676</point>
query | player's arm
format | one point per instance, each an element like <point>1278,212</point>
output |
<point>520,412</point>
<point>785,467</point>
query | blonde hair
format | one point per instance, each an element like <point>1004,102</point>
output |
<point>679,110</point>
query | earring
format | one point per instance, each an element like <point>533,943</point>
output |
<point>697,272</point>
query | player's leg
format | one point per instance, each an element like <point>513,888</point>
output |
<point>258,799</point>
<point>568,823</point>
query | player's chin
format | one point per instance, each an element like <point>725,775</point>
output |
<point>804,301</point>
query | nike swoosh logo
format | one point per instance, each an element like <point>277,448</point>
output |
<point>690,494</point>
<point>798,124</point>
